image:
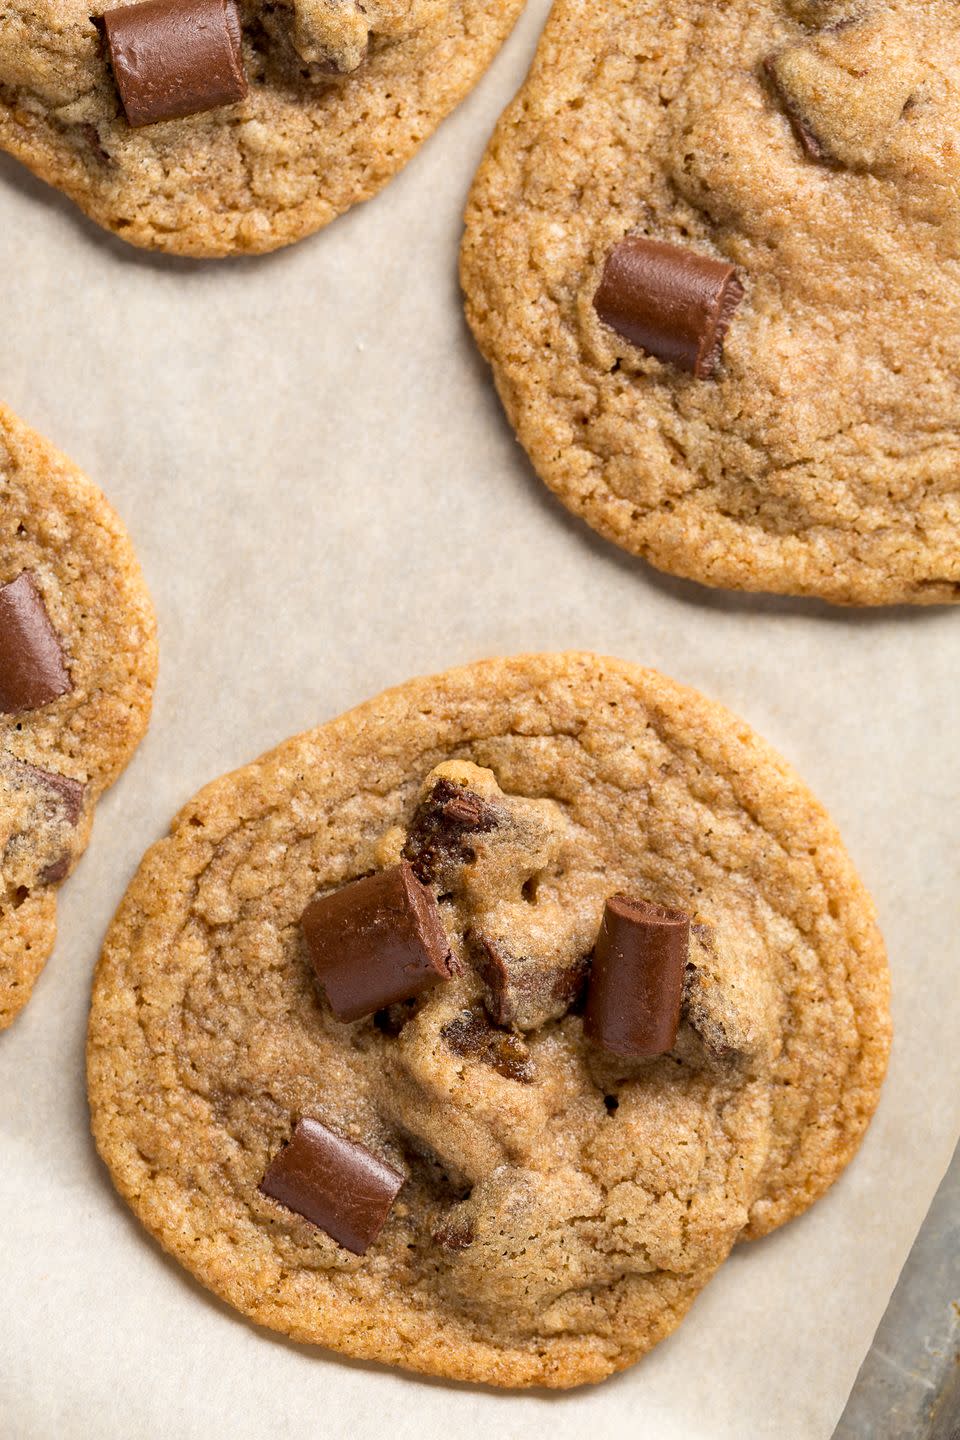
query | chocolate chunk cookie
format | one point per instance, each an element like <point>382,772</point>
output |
<point>711,257</point>
<point>353,1055</point>
<point>205,127</point>
<point>78,661</point>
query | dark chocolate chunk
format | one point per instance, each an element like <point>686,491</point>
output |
<point>173,58</point>
<point>525,991</point>
<point>55,807</point>
<point>439,833</point>
<point>454,1234</point>
<point>810,142</point>
<point>64,794</point>
<point>91,136</point>
<point>377,941</point>
<point>33,670</point>
<point>471,1035</point>
<point>636,982</point>
<point>671,302</point>
<point>53,874</point>
<point>336,1184</point>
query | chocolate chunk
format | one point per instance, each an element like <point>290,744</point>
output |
<point>377,941</point>
<point>439,832</point>
<point>671,302</point>
<point>62,793</point>
<point>810,142</point>
<point>636,983</point>
<point>525,991</point>
<point>91,136</point>
<point>455,1234</point>
<point>173,58</point>
<point>336,1184</point>
<point>66,796</point>
<point>53,874</point>
<point>470,1035</point>
<point>32,667</point>
<point>55,807</point>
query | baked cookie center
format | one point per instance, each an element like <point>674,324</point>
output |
<point>465,965</point>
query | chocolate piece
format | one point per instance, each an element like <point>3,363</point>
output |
<point>671,302</point>
<point>32,667</point>
<point>53,874</point>
<point>810,143</point>
<point>636,982</point>
<point>455,1234</point>
<point>377,941</point>
<point>91,136</point>
<point>336,1184</point>
<point>55,806</point>
<point>173,58</point>
<point>439,832</point>
<point>65,794</point>
<point>470,1035</point>
<point>526,991</point>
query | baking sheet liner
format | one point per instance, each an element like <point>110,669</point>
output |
<point>327,500</point>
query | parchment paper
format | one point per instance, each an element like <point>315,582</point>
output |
<point>327,500</point>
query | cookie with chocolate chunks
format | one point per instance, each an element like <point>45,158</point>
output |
<point>222,127</point>
<point>561,1203</point>
<point>77,668</point>
<point>711,261</point>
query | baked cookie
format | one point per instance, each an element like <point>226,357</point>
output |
<point>711,257</point>
<point>203,127</point>
<point>78,659</point>
<point>377,1052</point>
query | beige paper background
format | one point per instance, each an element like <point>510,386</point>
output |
<point>327,500</point>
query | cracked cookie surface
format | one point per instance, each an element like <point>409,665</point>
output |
<point>340,96</point>
<point>561,1207</point>
<point>56,759</point>
<point>816,147</point>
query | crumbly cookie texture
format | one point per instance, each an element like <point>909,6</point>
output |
<point>817,148</point>
<point>57,759</point>
<point>341,94</point>
<point>562,1207</point>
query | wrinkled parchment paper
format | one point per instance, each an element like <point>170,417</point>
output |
<point>327,500</point>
